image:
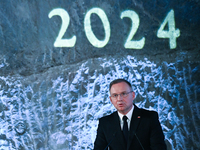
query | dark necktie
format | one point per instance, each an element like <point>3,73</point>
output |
<point>125,128</point>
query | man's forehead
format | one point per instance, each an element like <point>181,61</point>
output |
<point>122,86</point>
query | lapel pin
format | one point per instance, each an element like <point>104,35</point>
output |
<point>138,117</point>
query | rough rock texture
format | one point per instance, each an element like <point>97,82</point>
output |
<point>51,97</point>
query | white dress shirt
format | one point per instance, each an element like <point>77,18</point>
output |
<point>128,115</point>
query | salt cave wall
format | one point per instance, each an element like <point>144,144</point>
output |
<point>52,96</point>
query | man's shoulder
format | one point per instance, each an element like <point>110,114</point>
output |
<point>148,112</point>
<point>108,117</point>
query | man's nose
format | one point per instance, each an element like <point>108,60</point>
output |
<point>119,97</point>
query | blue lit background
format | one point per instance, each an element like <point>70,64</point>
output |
<point>51,97</point>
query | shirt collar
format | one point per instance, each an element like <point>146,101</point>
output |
<point>128,115</point>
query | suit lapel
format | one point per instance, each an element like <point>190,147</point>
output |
<point>135,120</point>
<point>119,135</point>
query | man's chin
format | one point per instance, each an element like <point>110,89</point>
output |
<point>120,109</point>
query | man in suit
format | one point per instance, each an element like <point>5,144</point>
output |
<point>129,128</point>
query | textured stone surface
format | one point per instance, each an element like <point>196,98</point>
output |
<point>51,98</point>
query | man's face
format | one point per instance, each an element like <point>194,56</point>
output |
<point>122,104</point>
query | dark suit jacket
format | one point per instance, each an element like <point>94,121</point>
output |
<point>144,125</point>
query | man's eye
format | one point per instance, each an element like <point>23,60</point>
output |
<point>124,94</point>
<point>115,95</point>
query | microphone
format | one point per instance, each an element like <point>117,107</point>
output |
<point>111,140</point>
<point>139,141</point>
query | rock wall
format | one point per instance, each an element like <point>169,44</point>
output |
<point>51,95</point>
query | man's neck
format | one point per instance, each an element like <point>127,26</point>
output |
<point>129,113</point>
<point>125,113</point>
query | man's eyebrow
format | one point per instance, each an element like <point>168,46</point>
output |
<point>119,93</point>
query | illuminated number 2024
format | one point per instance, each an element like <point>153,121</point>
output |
<point>172,33</point>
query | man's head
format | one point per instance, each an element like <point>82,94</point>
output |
<point>121,95</point>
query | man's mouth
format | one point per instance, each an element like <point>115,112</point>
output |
<point>120,104</point>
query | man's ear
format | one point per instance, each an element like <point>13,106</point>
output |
<point>133,95</point>
<point>110,99</point>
